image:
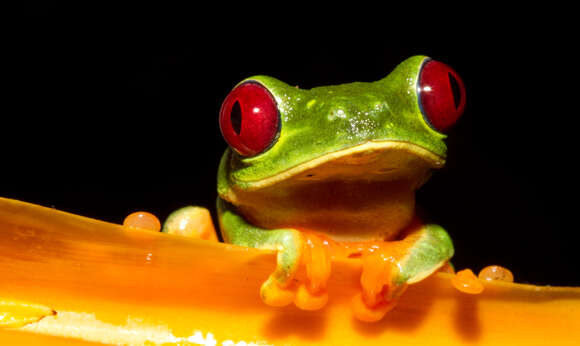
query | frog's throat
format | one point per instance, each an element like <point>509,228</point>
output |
<point>372,158</point>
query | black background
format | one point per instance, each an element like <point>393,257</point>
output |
<point>109,110</point>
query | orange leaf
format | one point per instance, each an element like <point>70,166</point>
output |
<point>113,285</point>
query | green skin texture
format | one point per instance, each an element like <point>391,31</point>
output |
<point>320,121</point>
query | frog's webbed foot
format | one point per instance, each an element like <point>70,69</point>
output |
<point>283,287</point>
<point>389,267</point>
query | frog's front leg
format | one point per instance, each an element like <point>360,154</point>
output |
<point>291,245</point>
<point>389,267</point>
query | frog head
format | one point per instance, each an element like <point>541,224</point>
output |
<point>381,131</point>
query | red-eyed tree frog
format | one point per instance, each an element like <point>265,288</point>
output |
<point>331,172</point>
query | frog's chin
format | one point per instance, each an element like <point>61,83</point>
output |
<point>369,161</point>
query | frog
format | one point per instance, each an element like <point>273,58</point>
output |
<point>330,173</point>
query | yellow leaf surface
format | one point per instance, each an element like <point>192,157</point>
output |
<point>113,285</point>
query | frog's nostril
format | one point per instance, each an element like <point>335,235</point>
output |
<point>236,118</point>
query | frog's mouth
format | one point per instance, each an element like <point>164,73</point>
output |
<point>369,161</point>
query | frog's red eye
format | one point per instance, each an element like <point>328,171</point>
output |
<point>249,119</point>
<point>441,95</point>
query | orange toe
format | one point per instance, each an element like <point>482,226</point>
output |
<point>363,312</point>
<point>306,300</point>
<point>274,295</point>
<point>495,272</point>
<point>317,260</point>
<point>466,282</point>
<point>377,273</point>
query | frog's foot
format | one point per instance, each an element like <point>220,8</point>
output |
<point>191,222</point>
<point>280,287</point>
<point>284,287</point>
<point>389,267</point>
<point>380,289</point>
<point>312,294</point>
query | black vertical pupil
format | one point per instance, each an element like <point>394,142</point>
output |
<point>455,89</point>
<point>236,118</point>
